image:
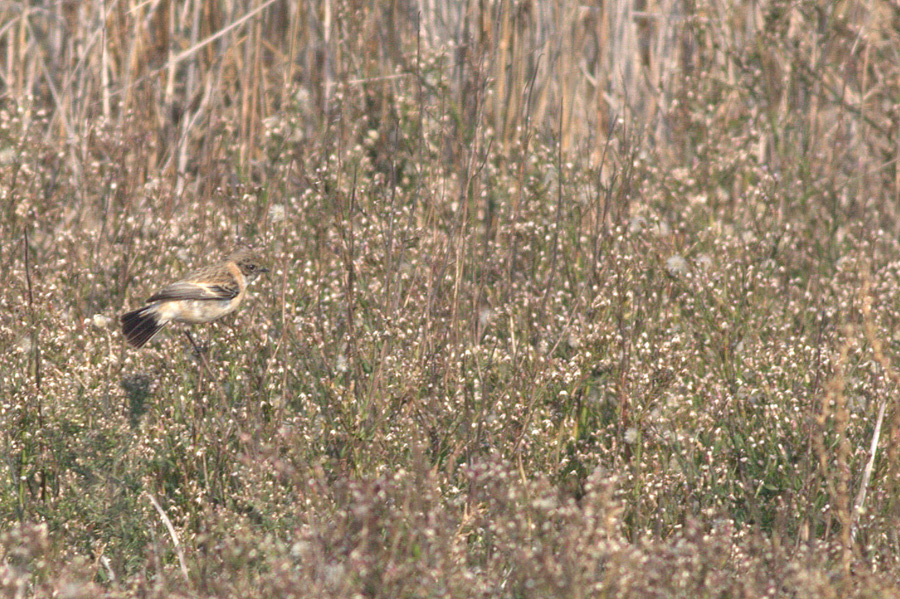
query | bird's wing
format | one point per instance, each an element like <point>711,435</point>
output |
<point>188,290</point>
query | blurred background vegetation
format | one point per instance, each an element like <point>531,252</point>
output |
<point>567,299</point>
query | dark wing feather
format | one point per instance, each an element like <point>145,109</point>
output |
<point>184,290</point>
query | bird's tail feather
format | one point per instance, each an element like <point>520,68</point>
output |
<point>139,326</point>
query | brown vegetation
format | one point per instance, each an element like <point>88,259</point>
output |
<point>566,300</point>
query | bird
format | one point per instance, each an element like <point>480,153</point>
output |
<point>202,296</point>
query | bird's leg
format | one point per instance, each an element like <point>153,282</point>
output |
<point>199,350</point>
<point>200,353</point>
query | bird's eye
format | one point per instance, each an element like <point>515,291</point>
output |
<point>251,267</point>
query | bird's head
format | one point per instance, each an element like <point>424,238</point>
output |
<point>248,261</point>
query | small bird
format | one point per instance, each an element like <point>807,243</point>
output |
<point>201,296</point>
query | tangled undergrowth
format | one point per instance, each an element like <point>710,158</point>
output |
<point>563,302</point>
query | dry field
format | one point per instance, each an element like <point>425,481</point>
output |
<point>567,300</point>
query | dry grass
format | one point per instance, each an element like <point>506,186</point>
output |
<point>565,301</point>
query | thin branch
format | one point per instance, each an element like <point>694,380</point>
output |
<point>174,535</point>
<point>867,473</point>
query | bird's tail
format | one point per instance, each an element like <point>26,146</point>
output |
<point>139,326</point>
